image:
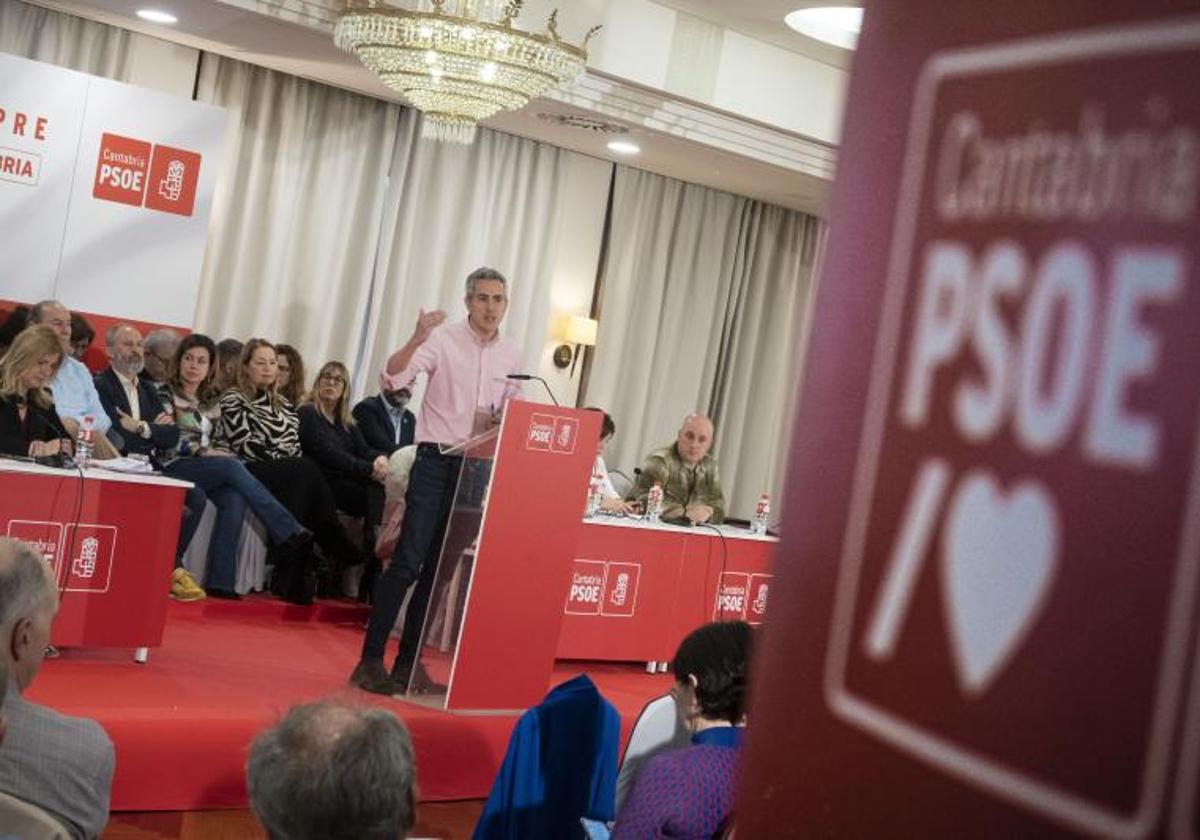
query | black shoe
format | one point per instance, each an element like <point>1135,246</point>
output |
<point>298,542</point>
<point>418,683</point>
<point>223,594</point>
<point>370,675</point>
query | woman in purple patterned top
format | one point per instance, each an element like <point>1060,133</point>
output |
<point>689,792</point>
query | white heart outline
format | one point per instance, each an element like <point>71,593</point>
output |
<point>973,679</point>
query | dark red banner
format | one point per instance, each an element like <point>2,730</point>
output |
<point>994,491</point>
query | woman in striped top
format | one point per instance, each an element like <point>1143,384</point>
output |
<point>262,429</point>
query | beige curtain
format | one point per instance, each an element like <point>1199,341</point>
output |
<point>65,40</point>
<point>295,222</point>
<point>703,305</point>
<point>450,209</point>
<point>764,335</point>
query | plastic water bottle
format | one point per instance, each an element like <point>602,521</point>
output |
<point>594,495</point>
<point>85,441</point>
<point>761,512</point>
<point>654,500</point>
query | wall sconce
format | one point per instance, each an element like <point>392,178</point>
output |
<point>581,332</point>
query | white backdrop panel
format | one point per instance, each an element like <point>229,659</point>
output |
<point>33,200</point>
<point>131,260</point>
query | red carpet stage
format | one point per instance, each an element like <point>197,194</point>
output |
<point>182,722</point>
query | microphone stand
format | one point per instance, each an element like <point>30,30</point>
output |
<point>526,377</point>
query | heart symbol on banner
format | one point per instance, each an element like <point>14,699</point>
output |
<point>999,558</point>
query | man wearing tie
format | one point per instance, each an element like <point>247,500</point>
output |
<point>385,420</point>
<point>466,364</point>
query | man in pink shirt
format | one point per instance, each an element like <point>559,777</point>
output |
<point>467,364</point>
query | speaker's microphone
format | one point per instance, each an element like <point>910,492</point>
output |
<point>526,377</point>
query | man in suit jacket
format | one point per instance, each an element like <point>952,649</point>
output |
<point>134,405</point>
<point>144,425</point>
<point>385,421</point>
<point>63,765</point>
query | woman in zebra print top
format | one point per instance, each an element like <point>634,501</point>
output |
<point>262,429</point>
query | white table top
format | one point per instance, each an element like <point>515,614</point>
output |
<point>92,473</point>
<point>728,531</point>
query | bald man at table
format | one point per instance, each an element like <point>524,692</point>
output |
<point>688,475</point>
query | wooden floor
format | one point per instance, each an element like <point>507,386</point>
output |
<point>443,820</point>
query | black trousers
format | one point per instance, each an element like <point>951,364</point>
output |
<point>430,497</point>
<point>300,487</point>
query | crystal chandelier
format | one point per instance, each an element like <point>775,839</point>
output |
<point>459,61</point>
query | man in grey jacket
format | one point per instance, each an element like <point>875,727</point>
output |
<point>63,765</point>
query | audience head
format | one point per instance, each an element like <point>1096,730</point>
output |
<point>57,317</point>
<point>607,429</point>
<point>28,602</point>
<point>487,300</point>
<point>29,365</point>
<point>16,321</point>
<point>259,370</point>
<point>82,335</point>
<point>331,392</point>
<point>329,771</point>
<point>694,440</point>
<point>193,366</point>
<point>160,351</point>
<point>711,668</point>
<point>126,351</point>
<point>397,398</point>
<point>289,382</point>
<point>229,359</point>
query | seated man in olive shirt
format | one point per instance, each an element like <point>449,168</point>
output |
<point>687,473</point>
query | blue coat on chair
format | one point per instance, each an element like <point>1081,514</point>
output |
<point>561,765</point>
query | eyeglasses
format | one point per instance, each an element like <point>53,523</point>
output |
<point>333,377</point>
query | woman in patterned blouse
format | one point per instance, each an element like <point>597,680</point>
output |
<point>689,792</point>
<point>262,429</point>
<point>203,458</point>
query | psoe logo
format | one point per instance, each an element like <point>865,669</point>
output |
<point>20,167</point>
<point>566,430</point>
<point>541,432</point>
<point>134,172</point>
<point>587,587</point>
<point>732,599</point>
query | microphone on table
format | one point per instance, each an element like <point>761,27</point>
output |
<point>526,377</point>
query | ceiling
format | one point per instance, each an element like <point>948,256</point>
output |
<point>304,49</point>
<point>763,20</point>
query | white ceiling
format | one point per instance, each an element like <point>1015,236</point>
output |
<point>763,19</point>
<point>230,28</point>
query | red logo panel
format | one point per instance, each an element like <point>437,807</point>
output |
<point>621,589</point>
<point>541,432</point>
<point>732,597</point>
<point>88,557</point>
<point>756,608</point>
<point>566,431</point>
<point>174,174</point>
<point>44,537</point>
<point>121,169</point>
<point>587,588</point>
<point>1025,472</point>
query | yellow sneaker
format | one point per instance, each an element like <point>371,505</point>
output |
<point>184,587</point>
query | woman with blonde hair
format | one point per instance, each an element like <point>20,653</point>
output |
<point>29,425</point>
<point>262,429</point>
<point>330,437</point>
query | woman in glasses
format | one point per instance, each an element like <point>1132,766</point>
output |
<point>329,435</point>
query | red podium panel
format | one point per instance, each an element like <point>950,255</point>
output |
<point>507,557</point>
<point>111,539</point>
